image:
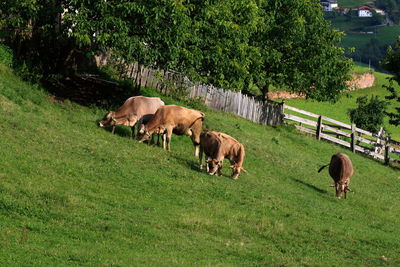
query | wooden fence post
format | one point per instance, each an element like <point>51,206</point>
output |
<point>379,140</point>
<point>353,138</point>
<point>387,151</point>
<point>282,113</point>
<point>319,128</point>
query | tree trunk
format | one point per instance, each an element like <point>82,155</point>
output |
<point>264,92</point>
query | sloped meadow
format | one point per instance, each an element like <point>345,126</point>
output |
<point>72,193</point>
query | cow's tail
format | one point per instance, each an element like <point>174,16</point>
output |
<point>202,116</point>
<point>320,169</point>
<point>199,118</point>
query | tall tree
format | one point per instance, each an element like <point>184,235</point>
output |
<point>299,51</point>
<point>231,44</point>
<point>391,63</point>
<point>32,28</point>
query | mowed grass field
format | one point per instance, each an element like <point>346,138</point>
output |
<point>73,194</point>
<point>385,36</point>
<point>351,3</point>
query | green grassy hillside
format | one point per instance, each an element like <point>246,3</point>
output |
<point>351,3</point>
<point>385,36</point>
<point>339,109</point>
<point>73,194</point>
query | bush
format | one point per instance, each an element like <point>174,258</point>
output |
<point>6,55</point>
<point>368,115</point>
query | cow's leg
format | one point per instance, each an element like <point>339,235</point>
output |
<point>169,136</point>
<point>220,169</point>
<point>149,140</point>
<point>133,132</point>
<point>158,139</point>
<point>164,143</point>
<point>201,158</point>
<point>346,188</point>
<point>196,130</point>
<point>113,129</point>
<point>196,142</point>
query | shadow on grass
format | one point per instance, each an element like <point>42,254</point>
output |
<point>194,165</point>
<point>321,191</point>
<point>187,161</point>
<point>121,131</point>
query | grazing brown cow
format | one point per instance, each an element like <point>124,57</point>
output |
<point>217,146</point>
<point>178,120</point>
<point>136,109</point>
<point>341,170</point>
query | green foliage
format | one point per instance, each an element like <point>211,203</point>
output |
<point>298,51</point>
<point>368,115</point>
<point>372,53</point>
<point>391,7</point>
<point>219,49</point>
<point>33,29</point>
<point>238,45</point>
<point>73,194</point>
<point>351,3</point>
<point>392,64</point>
<point>6,55</point>
<point>339,110</point>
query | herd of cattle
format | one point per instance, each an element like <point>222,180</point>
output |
<point>152,116</point>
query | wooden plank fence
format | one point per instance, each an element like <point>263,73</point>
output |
<point>269,113</point>
<point>376,145</point>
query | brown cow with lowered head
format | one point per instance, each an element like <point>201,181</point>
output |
<point>136,109</point>
<point>217,146</point>
<point>341,170</point>
<point>175,119</point>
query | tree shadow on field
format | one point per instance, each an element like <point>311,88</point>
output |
<point>321,191</point>
<point>92,89</point>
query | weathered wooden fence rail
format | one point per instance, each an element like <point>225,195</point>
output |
<point>268,113</point>
<point>377,145</point>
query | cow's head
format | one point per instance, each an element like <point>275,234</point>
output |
<point>341,187</point>
<point>236,171</point>
<point>108,120</point>
<point>213,165</point>
<point>144,135</point>
<point>142,129</point>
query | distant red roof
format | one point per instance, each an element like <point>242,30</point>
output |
<point>366,7</point>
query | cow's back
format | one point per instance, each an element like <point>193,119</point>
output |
<point>178,116</point>
<point>140,106</point>
<point>340,167</point>
<point>228,143</point>
<point>210,143</point>
<point>147,105</point>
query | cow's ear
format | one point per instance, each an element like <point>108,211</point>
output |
<point>232,166</point>
<point>113,118</point>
